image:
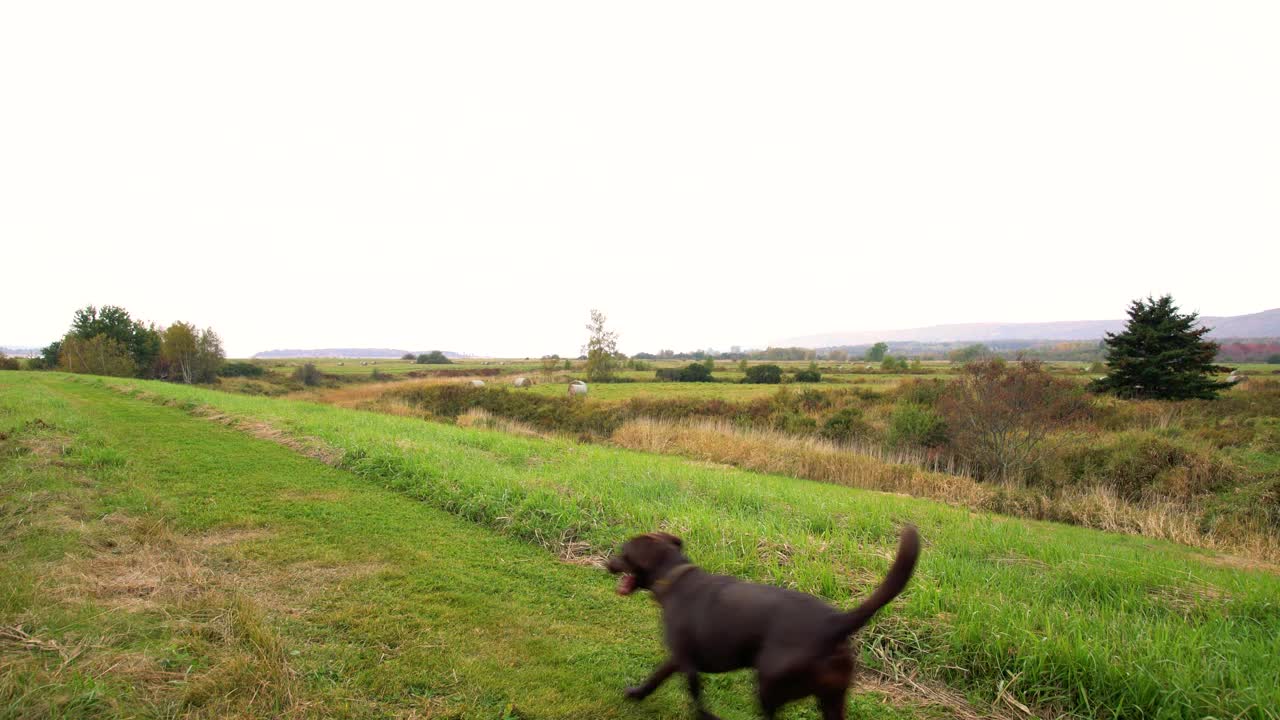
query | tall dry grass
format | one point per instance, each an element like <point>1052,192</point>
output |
<point>379,396</point>
<point>871,468</point>
<point>807,457</point>
<point>481,418</point>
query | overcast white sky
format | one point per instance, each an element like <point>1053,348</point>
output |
<point>476,176</point>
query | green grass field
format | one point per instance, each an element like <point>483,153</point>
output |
<point>1062,619</point>
<point>160,565</point>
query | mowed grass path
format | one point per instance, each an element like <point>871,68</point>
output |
<point>1061,618</point>
<point>291,589</point>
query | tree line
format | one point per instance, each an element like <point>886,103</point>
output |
<point>110,341</point>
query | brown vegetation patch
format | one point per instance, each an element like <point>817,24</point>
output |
<point>1240,563</point>
<point>314,495</point>
<point>310,447</point>
<point>213,600</point>
<point>913,693</point>
<point>291,590</point>
<point>142,564</point>
<point>580,553</point>
<point>230,536</point>
<point>481,418</point>
<point>1189,599</point>
<point>812,458</point>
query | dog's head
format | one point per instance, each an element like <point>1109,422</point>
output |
<point>642,559</point>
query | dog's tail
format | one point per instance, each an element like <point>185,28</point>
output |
<point>903,565</point>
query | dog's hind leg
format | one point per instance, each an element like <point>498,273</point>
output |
<point>659,676</point>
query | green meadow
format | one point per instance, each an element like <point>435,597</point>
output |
<point>337,562</point>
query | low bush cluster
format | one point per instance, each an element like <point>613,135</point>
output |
<point>763,375</point>
<point>693,372</point>
<point>308,374</point>
<point>242,369</point>
<point>563,414</point>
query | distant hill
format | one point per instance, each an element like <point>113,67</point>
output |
<point>358,353</point>
<point>1265,324</point>
<point>22,352</point>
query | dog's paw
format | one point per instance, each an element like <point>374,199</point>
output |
<point>635,693</point>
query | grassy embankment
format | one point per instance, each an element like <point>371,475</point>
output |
<point>154,564</point>
<point>1058,618</point>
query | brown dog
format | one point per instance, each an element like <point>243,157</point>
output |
<point>798,644</point>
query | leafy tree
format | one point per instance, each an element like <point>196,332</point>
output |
<point>209,356</point>
<point>96,355</point>
<point>141,341</point>
<point>969,353</point>
<point>893,364</point>
<point>49,354</point>
<point>435,357</point>
<point>178,349</point>
<point>601,349</point>
<point>763,375</point>
<point>878,351</point>
<point>8,363</point>
<point>1274,359</point>
<point>407,356</point>
<point>838,355</point>
<point>195,355</point>
<point>1160,354</point>
<point>111,320</point>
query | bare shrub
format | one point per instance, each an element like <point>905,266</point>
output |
<point>999,414</point>
<point>308,374</point>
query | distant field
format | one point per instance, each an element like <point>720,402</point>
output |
<point>1062,619</point>
<point>833,374</point>
<point>608,392</point>
<point>344,366</point>
<point>642,383</point>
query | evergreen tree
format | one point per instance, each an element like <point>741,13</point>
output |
<point>1161,354</point>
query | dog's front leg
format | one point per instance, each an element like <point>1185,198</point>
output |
<point>695,692</point>
<point>659,676</point>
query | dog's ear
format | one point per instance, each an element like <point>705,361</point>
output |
<point>668,537</point>
<point>646,551</point>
